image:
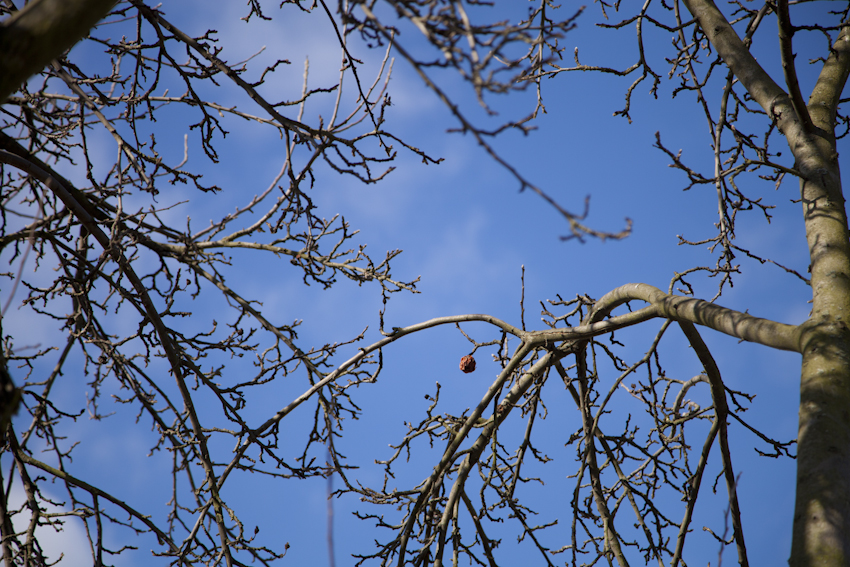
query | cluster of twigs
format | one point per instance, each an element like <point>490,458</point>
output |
<point>742,134</point>
<point>124,273</point>
<point>114,260</point>
<point>633,471</point>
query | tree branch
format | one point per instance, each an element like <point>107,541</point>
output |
<point>39,33</point>
<point>823,102</point>
<point>678,308</point>
<point>786,33</point>
<point>721,411</point>
<point>754,78</point>
<point>95,492</point>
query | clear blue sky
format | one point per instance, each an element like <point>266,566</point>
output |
<point>467,231</point>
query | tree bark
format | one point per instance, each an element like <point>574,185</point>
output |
<point>822,508</point>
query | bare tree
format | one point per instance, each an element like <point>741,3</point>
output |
<point>109,252</point>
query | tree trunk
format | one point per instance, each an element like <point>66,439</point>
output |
<point>821,535</point>
<point>822,509</point>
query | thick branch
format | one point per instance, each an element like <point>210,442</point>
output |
<point>39,33</point>
<point>678,308</point>
<point>823,102</point>
<point>755,79</point>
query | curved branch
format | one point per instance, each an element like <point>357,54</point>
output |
<point>675,307</point>
<point>721,411</point>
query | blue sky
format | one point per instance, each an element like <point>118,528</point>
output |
<point>467,231</point>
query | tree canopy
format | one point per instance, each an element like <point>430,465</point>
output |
<point>177,195</point>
